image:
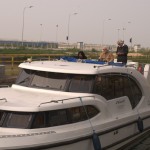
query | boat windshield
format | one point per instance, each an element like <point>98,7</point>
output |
<point>55,81</point>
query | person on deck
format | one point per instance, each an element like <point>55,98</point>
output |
<point>81,55</point>
<point>122,52</point>
<point>106,55</point>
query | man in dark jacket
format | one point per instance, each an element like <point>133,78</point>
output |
<point>122,52</point>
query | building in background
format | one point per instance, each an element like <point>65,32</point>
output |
<point>28,44</point>
<point>58,46</point>
<point>137,47</point>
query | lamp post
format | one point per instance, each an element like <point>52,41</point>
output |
<point>103,30</point>
<point>123,32</point>
<point>41,32</point>
<point>124,29</point>
<point>23,22</point>
<point>56,33</point>
<point>68,36</point>
<point>129,22</point>
<point>130,40</point>
<point>118,33</point>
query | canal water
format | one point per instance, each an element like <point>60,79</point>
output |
<point>141,144</point>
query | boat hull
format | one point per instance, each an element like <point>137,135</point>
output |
<point>114,138</point>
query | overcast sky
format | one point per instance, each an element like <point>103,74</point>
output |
<point>97,21</point>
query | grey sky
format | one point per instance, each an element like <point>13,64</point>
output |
<point>86,26</point>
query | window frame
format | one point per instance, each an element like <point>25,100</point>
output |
<point>32,117</point>
<point>67,80</point>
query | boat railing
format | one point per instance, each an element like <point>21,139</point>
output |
<point>2,86</point>
<point>3,99</point>
<point>37,59</point>
<point>67,99</point>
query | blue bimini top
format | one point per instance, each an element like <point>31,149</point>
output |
<point>72,59</point>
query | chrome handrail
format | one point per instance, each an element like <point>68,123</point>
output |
<point>1,86</point>
<point>62,100</point>
<point>3,99</point>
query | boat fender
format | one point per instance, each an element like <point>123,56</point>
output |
<point>96,141</point>
<point>140,124</point>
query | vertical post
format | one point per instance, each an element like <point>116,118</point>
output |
<point>68,36</point>
<point>118,34</point>
<point>103,31</point>
<point>12,62</point>
<point>124,33</point>
<point>40,40</point>
<point>57,33</point>
<point>131,44</point>
<point>23,22</point>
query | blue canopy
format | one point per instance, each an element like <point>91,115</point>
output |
<point>72,59</point>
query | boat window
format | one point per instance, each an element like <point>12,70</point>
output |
<point>39,120</point>
<point>24,77</point>
<point>17,120</point>
<point>82,113</point>
<point>81,83</point>
<point>112,86</point>
<point>71,115</point>
<point>57,117</point>
<point>135,93</point>
<point>48,80</point>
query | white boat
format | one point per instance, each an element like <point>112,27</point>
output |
<point>61,105</point>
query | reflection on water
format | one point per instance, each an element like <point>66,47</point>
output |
<point>142,144</point>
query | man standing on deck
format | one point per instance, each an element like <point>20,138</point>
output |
<point>122,52</point>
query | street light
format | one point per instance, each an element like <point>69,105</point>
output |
<point>129,22</point>
<point>68,36</point>
<point>103,30</point>
<point>124,29</point>
<point>23,22</point>
<point>118,34</point>
<point>41,32</point>
<point>130,40</point>
<point>56,33</point>
<point>123,32</point>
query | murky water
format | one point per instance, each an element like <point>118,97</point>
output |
<point>142,144</point>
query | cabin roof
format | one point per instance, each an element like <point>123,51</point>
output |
<point>66,67</point>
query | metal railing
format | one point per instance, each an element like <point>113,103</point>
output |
<point>19,58</point>
<point>67,99</point>
<point>12,59</point>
